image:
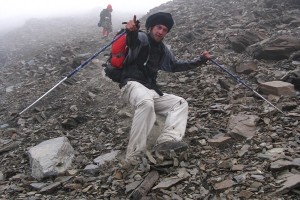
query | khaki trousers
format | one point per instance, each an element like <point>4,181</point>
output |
<point>147,104</point>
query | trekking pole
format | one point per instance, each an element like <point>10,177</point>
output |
<point>76,70</point>
<point>242,82</point>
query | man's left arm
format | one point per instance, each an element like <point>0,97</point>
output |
<point>170,63</point>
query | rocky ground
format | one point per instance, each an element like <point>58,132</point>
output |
<point>257,40</point>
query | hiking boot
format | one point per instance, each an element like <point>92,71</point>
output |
<point>168,146</point>
<point>135,159</point>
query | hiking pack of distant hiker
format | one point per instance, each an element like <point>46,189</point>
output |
<point>135,60</point>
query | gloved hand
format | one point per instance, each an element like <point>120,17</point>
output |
<point>205,56</point>
<point>133,25</point>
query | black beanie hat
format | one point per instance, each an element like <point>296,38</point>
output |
<point>160,18</point>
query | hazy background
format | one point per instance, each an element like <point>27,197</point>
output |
<point>14,13</point>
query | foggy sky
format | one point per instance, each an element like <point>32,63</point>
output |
<point>14,13</point>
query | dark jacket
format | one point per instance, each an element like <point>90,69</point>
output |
<point>146,57</point>
<point>105,13</point>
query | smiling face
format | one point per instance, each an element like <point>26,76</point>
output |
<point>158,32</point>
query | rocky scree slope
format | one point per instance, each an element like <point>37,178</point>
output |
<point>87,109</point>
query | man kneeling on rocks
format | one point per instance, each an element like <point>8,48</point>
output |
<point>147,55</point>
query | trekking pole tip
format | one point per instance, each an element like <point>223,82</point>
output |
<point>14,116</point>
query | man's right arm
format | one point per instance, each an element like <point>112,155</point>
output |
<point>132,31</point>
<point>132,39</point>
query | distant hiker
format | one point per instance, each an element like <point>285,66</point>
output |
<point>147,55</point>
<point>105,20</point>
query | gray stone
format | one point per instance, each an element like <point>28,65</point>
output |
<point>242,126</point>
<point>51,157</point>
<point>290,183</point>
<point>167,182</point>
<point>276,48</point>
<point>246,67</point>
<point>224,185</point>
<point>220,141</point>
<point>100,160</point>
<point>278,88</point>
<point>283,164</point>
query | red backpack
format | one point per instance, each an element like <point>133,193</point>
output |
<point>118,52</point>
